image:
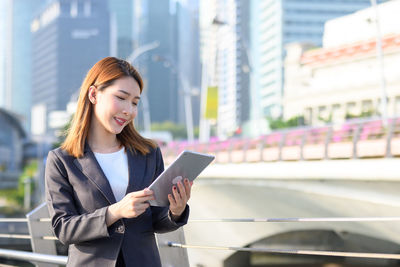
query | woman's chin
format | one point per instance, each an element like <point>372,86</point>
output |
<point>116,130</point>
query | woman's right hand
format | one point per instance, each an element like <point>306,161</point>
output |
<point>132,205</point>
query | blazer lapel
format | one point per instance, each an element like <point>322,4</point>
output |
<point>137,166</point>
<point>92,170</point>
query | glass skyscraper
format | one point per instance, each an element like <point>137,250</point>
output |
<point>122,12</point>
<point>68,38</point>
<point>15,60</point>
<point>275,23</point>
<point>174,25</point>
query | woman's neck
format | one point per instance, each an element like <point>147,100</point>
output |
<point>102,141</point>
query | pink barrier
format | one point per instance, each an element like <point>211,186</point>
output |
<point>371,142</point>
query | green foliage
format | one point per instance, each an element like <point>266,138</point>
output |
<point>363,114</point>
<point>282,124</point>
<point>326,120</point>
<point>63,134</point>
<point>178,131</point>
<point>11,211</point>
<point>16,195</point>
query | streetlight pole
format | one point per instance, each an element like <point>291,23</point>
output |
<point>141,50</point>
<point>257,124</point>
<point>379,52</point>
<point>187,94</point>
<point>131,59</point>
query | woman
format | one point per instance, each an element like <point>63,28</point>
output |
<point>96,181</point>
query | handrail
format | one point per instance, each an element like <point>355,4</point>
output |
<point>294,251</point>
<point>30,256</point>
<point>3,220</point>
<point>16,236</point>
<point>326,219</point>
<point>20,236</point>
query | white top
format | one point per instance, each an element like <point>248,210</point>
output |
<point>115,167</point>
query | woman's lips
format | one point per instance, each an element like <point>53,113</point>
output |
<point>120,121</point>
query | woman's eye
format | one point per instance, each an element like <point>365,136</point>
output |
<point>121,98</point>
<point>133,103</point>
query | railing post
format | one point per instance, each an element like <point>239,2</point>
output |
<point>391,127</point>
<point>281,145</point>
<point>356,137</point>
<point>303,142</point>
<point>230,148</point>
<point>37,230</point>
<point>327,140</point>
<point>170,256</point>
<point>245,149</point>
<point>262,144</point>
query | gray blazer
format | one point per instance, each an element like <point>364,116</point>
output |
<point>78,194</point>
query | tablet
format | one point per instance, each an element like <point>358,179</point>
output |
<point>188,164</point>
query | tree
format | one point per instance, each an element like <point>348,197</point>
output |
<point>280,123</point>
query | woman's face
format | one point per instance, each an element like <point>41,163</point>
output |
<point>116,105</point>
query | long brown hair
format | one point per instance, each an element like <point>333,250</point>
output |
<point>102,75</point>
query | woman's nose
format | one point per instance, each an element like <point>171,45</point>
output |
<point>128,110</point>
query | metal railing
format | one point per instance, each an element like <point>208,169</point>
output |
<point>44,248</point>
<point>369,138</point>
<point>295,251</point>
<point>366,255</point>
<point>177,240</point>
<point>33,257</point>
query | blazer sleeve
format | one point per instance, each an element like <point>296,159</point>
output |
<point>162,221</point>
<point>69,226</point>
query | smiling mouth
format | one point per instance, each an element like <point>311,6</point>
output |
<point>120,121</point>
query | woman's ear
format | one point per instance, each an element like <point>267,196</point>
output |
<point>92,94</point>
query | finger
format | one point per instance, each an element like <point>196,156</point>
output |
<point>187,188</point>
<point>144,199</point>
<point>176,195</point>
<point>142,193</point>
<point>182,192</point>
<point>172,201</point>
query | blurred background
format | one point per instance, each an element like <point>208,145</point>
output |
<point>220,76</point>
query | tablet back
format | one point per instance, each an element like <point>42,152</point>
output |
<point>188,164</point>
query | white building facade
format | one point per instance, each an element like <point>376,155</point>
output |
<point>343,78</point>
<point>218,53</point>
<point>276,23</point>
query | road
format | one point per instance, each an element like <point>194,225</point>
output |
<point>261,198</point>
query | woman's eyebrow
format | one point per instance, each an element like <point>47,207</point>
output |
<point>125,92</point>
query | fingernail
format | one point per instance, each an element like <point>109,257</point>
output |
<point>174,187</point>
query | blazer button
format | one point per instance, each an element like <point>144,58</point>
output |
<point>121,229</point>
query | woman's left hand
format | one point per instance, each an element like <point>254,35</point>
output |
<point>179,197</point>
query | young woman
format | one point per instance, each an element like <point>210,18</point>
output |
<point>96,181</point>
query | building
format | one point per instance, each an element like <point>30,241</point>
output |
<point>68,38</point>
<point>172,69</point>
<point>276,23</point>
<point>225,53</point>
<point>156,24</point>
<point>342,79</point>
<point>12,137</point>
<point>188,54</point>
<point>3,36</point>
<point>15,56</point>
<point>122,12</point>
